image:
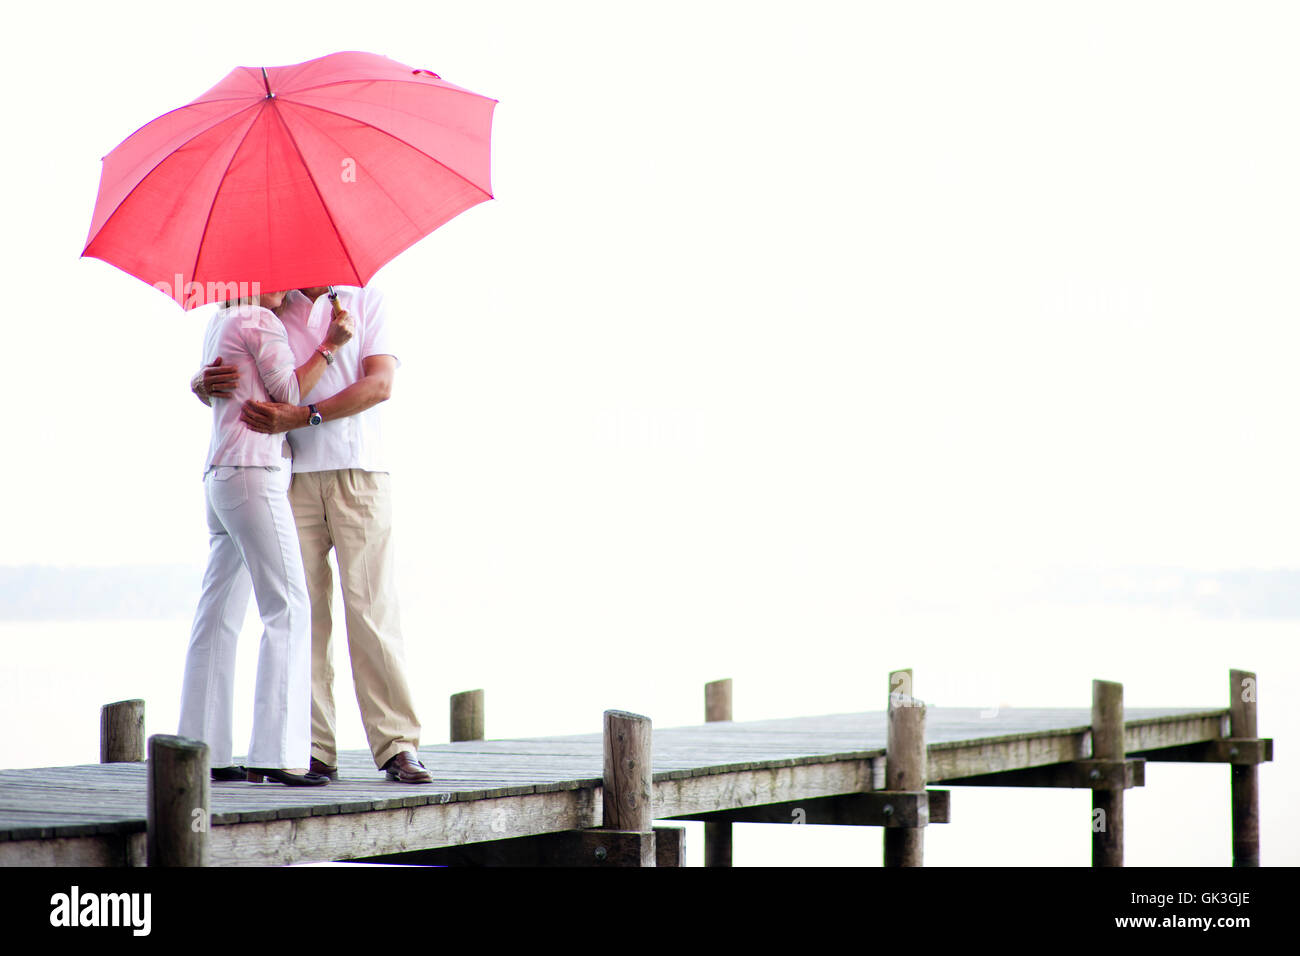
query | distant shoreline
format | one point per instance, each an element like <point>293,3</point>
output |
<point>163,591</point>
<point>130,592</point>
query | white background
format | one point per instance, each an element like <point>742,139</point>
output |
<point>796,337</point>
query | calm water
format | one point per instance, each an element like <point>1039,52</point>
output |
<point>59,673</point>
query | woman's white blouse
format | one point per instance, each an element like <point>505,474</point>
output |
<point>252,338</point>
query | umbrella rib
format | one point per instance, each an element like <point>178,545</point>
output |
<point>312,179</point>
<point>170,153</point>
<point>198,252</point>
<point>218,99</point>
<point>398,139</point>
<point>396,205</point>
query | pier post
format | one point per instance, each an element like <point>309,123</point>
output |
<point>1107,744</point>
<point>1242,722</point>
<point>467,715</point>
<point>121,732</point>
<point>905,765</point>
<point>717,836</point>
<point>178,802</point>
<point>627,786</point>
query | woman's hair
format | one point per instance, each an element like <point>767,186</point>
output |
<point>255,300</point>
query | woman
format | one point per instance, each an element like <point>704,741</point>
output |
<point>246,482</point>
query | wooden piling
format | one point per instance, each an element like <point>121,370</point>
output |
<point>121,732</point>
<point>717,836</point>
<point>905,765</point>
<point>626,784</point>
<point>178,801</point>
<point>1243,723</point>
<point>717,700</point>
<point>467,715</point>
<point>1107,744</point>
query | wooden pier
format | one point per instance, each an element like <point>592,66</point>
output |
<point>602,799</point>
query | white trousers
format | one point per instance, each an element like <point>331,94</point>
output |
<point>251,527</point>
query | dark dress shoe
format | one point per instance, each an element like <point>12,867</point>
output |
<point>228,773</point>
<point>319,767</point>
<point>308,779</point>
<point>405,768</point>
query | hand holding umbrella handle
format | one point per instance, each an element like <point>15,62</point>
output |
<point>340,327</point>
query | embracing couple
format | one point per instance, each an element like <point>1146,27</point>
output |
<point>294,468</point>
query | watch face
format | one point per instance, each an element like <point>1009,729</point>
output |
<point>314,418</point>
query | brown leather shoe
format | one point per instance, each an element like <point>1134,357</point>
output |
<point>405,768</point>
<point>318,766</point>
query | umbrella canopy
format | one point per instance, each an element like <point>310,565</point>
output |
<point>292,176</point>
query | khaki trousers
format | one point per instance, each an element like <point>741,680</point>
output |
<point>351,511</point>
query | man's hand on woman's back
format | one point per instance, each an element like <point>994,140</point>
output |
<point>214,381</point>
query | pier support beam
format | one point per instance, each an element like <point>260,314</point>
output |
<point>875,808</point>
<point>566,848</point>
<point>1077,774</point>
<point>467,715</point>
<point>905,766</point>
<point>717,836</point>
<point>178,802</point>
<point>1242,723</point>
<point>121,732</point>
<point>1108,744</point>
<point>626,784</point>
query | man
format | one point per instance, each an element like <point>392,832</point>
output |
<point>340,500</point>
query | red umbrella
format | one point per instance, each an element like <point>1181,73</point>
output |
<point>292,176</point>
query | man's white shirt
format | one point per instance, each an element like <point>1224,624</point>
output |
<point>355,441</point>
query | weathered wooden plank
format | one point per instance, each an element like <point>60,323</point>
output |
<point>99,851</point>
<point>675,798</point>
<point>343,837</point>
<point>1174,731</point>
<point>950,762</point>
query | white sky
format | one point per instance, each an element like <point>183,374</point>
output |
<point>768,299</point>
<point>844,287</point>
